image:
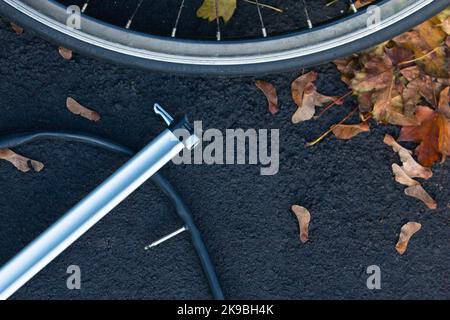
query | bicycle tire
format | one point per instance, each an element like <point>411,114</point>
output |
<point>230,58</point>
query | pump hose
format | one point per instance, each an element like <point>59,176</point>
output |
<point>14,140</point>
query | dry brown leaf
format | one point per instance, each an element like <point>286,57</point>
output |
<point>271,94</point>
<point>432,134</point>
<point>307,98</point>
<point>419,192</point>
<point>348,131</point>
<point>65,53</point>
<point>444,102</point>
<point>401,176</point>
<point>304,217</point>
<point>298,86</point>
<point>362,3</point>
<point>388,107</point>
<point>406,232</point>
<point>410,73</point>
<point>446,26</point>
<point>410,166</point>
<point>22,163</point>
<point>16,28</point>
<point>390,141</point>
<point>78,109</point>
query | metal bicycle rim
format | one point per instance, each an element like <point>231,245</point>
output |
<point>226,53</point>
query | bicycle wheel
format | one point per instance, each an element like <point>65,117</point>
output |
<point>167,35</point>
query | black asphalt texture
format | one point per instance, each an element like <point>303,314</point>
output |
<point>357,208</point>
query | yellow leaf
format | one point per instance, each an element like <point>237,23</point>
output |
<point>225,9</point>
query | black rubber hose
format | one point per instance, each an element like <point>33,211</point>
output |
<point>16,139</point>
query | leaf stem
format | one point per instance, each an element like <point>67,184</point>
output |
<point>419,58</point>
<point>334,103</point>
<point>263,5</point>
<point>309,144</point>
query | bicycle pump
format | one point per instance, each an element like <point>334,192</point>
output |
<point>72,225</point>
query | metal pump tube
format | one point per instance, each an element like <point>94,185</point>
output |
<point>93,207</point>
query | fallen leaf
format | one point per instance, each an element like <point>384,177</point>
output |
<point>401,176</point>
<point>22,163</point>
<point>362,3</point>
<point>78,109</point>
<point>16,28</point>
<point>225,9</point>
<point>348,131</point>
<point>65,53</point>
<point>299,84</point>
<point>388,108</point>
<point>390,141</point>
<point>426,41</point>
<point>306,97</point>
<point>410,73</point>
<point>446,26</point>
<point>270,93</point>
<point>304,217</point>
<point>432,134</point>
<point>406,232</point>
<point>444,99</point>
<point>410,166</point>
<point>418,192</point>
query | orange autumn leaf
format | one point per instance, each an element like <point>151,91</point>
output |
<point>271,94</point>
<point>432,134</point>
<point>348,131</point>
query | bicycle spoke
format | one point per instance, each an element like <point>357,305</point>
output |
<point>130,21</point>
<point>263,28</point>
<point>178,18</point>
<point>180,9</point>
<point>308,19</point>
<point>352,6</point>
<point>85,5</point>
<point>218,36</point>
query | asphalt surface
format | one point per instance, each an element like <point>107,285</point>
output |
<point>357,209</point>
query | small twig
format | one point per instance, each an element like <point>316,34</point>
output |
<point>309,144</point>
<point>263,5</point>
<point>334,103</point>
